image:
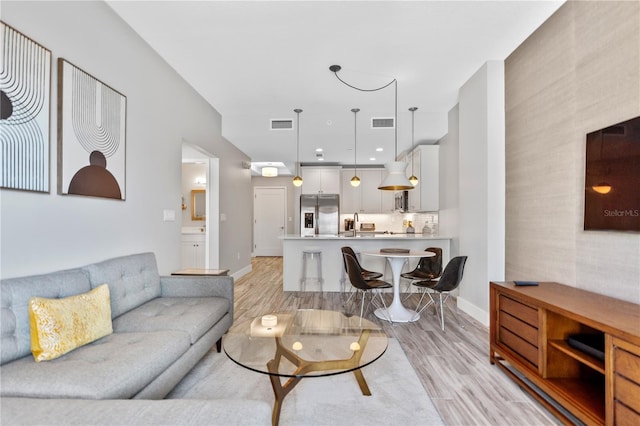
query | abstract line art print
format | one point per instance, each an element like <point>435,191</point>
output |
<point>25,83</point>
<point>91,135</point>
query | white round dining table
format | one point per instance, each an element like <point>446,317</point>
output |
<point>396,312</point>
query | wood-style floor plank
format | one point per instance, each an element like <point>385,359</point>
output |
<point>453,366</point>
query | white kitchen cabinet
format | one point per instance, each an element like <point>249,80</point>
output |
<point>366,198</point>
<point>350,197</point>
<point>425,197</point>
<point>193,251</point>
<point>320,180</point>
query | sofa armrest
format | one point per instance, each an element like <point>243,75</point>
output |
<point>197,286</point>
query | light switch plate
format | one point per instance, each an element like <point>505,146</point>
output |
<point>169,215</point>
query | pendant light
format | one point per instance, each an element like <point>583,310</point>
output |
<point>396,179</point>
<point>602,187</point>
<point>413,179</point>
<point>297,180</point>
<point>355,180</point>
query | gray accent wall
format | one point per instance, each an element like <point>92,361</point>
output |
<point>579,72</point>
<point>47,232</point>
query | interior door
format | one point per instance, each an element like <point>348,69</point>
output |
<point>269,220</point>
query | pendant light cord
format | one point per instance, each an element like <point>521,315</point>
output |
<point>335,68</point>
<point>363,90</point>
<point>355,140</point>
<point>297,111</point>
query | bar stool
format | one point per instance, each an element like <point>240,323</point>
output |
<point>307,256</point>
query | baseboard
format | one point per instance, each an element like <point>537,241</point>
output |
<point>473,311</point>
<point>242,272</point>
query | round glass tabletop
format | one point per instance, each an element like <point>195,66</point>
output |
<point>305,343</point>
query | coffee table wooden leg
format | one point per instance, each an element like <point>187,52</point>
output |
<point>303,366</point>
<point>279,390</point>
<point>364,387</point>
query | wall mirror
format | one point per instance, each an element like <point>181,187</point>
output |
<point>198,204</point>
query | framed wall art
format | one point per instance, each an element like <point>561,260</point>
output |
<point>25,85</point>
<point>91,135</point>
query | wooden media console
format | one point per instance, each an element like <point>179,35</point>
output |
<point>529,340</point>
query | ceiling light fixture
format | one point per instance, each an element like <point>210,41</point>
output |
<point>396,179</point>
<point>413,179</point>
<point>269,171</point>
<point>355,180</point>
<point>297,180</point>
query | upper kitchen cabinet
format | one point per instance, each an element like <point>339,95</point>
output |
<point>425,161</point>
<point>366,198</point>
<point>320,180</point>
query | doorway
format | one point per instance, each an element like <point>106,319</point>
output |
<point>206,178</point>
<point>269,220</point>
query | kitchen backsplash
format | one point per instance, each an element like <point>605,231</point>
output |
<point>394,222</point>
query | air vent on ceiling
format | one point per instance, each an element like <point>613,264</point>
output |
<point>382,122</point>
<point>281,124</point>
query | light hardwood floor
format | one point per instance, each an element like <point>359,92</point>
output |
<point>453,366</point>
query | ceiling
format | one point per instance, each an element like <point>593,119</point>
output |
<point>257,61</point>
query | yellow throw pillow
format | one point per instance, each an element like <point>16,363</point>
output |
<point>59,326</point>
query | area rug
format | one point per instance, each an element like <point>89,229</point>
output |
<point>398,397</point>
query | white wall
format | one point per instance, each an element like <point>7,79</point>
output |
<point>46,232</point>
<point>448,215</point>
<point>481,186</point>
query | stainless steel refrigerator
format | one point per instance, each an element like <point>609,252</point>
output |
<point>319,214</point>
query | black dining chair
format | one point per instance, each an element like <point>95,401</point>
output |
<point>449,281</point>
<point>366,274</point>
<point>362,285</point>
<point>428,268</point>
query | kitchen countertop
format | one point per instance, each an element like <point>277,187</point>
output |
<point>368,235</point>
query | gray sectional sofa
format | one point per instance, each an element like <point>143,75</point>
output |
<point>162,326</point>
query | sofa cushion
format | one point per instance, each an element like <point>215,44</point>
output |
<point>193,315</point>
<point>133,280</point>
<point>16,292</point>
<point>116,366</point>
<point>59,326</point>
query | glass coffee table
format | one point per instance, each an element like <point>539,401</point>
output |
<point>305,343</point>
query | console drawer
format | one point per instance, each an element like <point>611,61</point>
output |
<point>626,382</point>
<point>627,364</point>
<point>624,415</point>
<point>519,310</point>
<point>518,345</point>
<point>518,327</point>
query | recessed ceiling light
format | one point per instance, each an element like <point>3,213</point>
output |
<point>379,149</point>
<point>320,159</point>
<point>372,159</point>
<point>319,149</point>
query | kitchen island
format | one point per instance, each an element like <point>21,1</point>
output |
<point>332,264</point>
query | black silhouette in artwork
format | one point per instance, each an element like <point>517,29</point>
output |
<point>6,106</point>
<point>95,180</point>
